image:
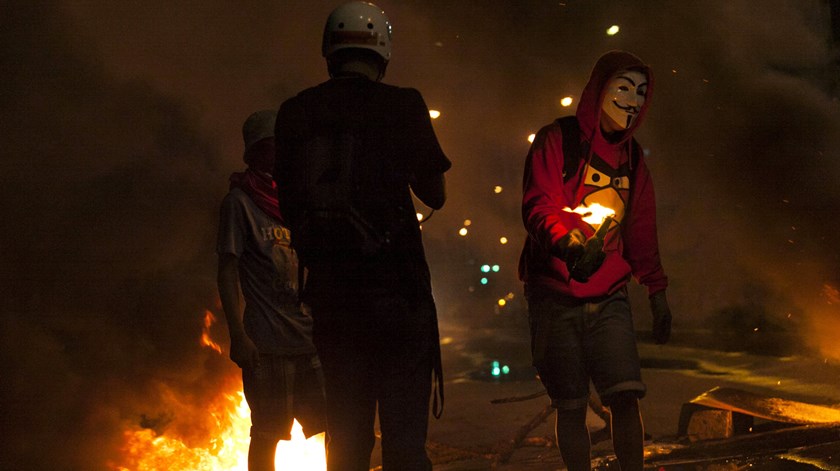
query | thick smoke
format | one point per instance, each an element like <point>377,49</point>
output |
<point>120,125</point>
<point>742,136</point>
<point>111,193</point>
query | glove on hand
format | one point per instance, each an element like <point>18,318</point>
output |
<point>590,260</point>
<point>569,248</point>
<point>661,317</point>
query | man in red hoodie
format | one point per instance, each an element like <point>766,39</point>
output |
<point>575,275</point>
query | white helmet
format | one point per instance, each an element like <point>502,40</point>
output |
<point>360,25</point>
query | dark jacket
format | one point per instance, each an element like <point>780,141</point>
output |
<point>388,131</point>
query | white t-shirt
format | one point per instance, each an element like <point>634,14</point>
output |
<point>268,272</point>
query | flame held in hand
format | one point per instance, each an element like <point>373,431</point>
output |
<point>594,214</point>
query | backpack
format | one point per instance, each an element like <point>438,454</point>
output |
<point>574,150</point>
<point>331,228</point>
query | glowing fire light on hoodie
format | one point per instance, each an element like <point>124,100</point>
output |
<point>593,214</point>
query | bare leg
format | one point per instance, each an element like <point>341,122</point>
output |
<point>573,439</point>
<point>261,454</point>
<point>628,432</point>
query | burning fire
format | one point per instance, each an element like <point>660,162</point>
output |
<point>822,320</point>
<point>209,320</point>
<point>831,294</point>
<point>226,447</point>
<point>595,214</point>
<point>226,451</point>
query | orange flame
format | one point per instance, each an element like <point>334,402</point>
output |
<point>593,214</point>
<point>227,450</point>
<point>823,320</point>
<point>831,294</point>
<point>209,320</point>
<point>226,447</point>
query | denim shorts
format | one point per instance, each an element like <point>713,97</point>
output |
<point>284,388</point>
<point>574,341</point>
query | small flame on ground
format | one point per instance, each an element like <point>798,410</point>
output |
<point>300,452</point>
<point>593,214</point>
<point>566,101</point>
<point>209,320</point>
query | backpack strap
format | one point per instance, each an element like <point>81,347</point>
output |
<point>572,147</point>
<point>635,154</point>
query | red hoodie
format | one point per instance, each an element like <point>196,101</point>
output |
<point>631,246</point>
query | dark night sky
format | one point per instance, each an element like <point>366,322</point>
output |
<point>120,125</point>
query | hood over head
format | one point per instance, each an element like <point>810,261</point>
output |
<point>589,109</point>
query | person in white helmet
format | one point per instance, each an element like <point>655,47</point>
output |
<point>270,336</point>
<point>350,152</point>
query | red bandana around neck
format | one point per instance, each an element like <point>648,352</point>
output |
<point>261,188</point>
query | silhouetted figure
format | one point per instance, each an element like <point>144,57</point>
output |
<point>350,151</point>
<point>270,337</point>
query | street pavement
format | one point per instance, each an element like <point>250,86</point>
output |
<point>475,434</point>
